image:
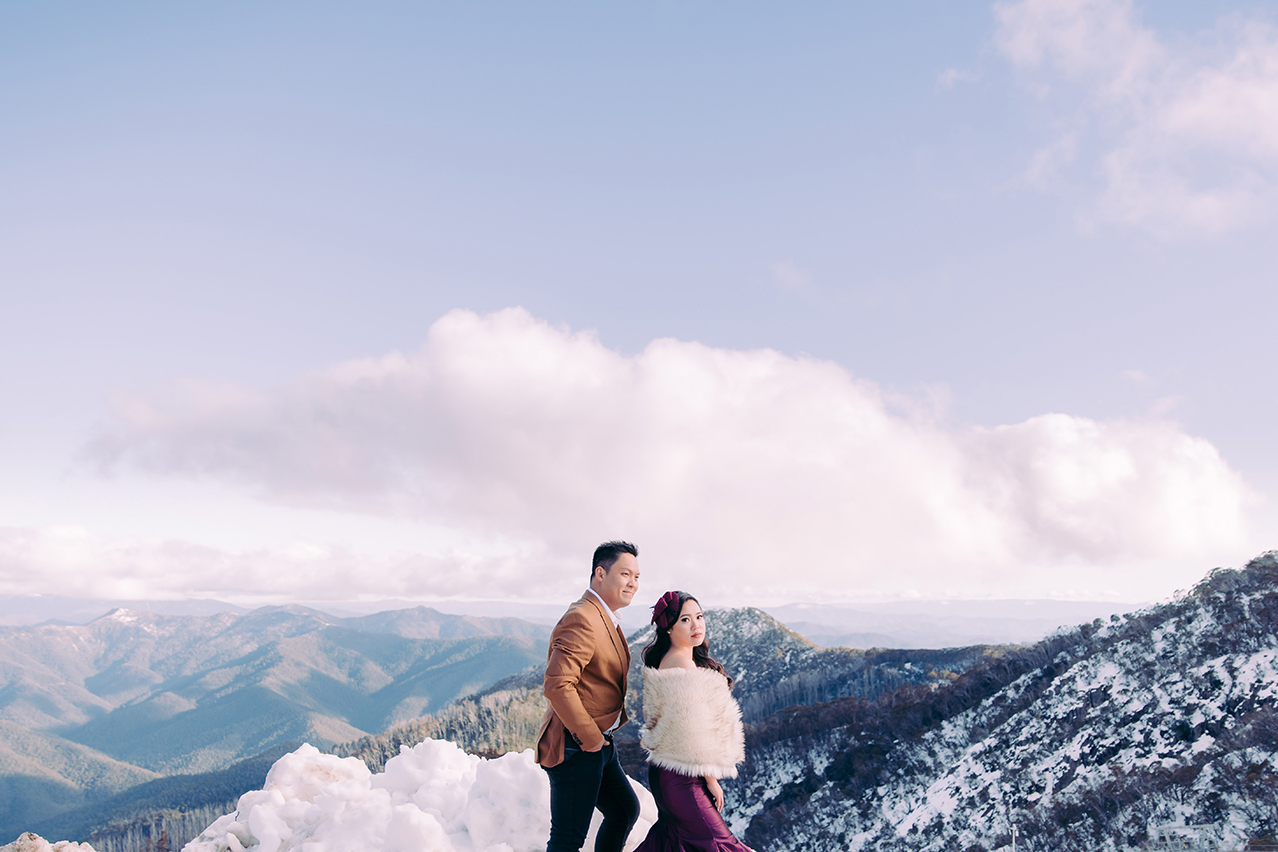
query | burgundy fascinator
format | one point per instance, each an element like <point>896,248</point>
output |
<point>666,610</point>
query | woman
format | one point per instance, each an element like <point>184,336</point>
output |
<point>692,732</point>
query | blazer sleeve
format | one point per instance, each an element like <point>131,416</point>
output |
<point>571,649</point>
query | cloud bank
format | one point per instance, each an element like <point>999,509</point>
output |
<point>78,562</point>
<point>748,475</point>
<point>1186,137</point>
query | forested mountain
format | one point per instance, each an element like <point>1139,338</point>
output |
<point>1084,741</point>
<point>87,711</point>
<point>503,718</point>
<point>43,774</point>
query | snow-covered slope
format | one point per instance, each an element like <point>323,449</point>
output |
<point>1085,741</point>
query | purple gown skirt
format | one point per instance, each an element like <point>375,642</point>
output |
<point>687,820</point>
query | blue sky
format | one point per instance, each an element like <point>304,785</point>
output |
<point>926,227</point>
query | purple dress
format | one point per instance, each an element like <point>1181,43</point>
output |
<point>687,820</point>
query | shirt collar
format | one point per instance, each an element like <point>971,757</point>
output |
<point>611,614</point>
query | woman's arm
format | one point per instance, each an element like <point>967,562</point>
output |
<point>716,792</point>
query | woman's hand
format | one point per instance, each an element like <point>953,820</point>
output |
<point>716,792</point>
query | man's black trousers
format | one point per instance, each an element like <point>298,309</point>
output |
<point>584,781</point>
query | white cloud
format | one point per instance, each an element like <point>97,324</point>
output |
<point>951,77</point>
<point>1107,492</point>
<point>1187,138</point>
<point>1046,165</point>
<point>1098,40</point>
<point>788,276</point>
<point>745,474</point>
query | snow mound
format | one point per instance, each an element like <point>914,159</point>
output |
<point>431,798</point>
<point>29,842</point>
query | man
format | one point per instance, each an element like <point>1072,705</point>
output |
<point>586,686</point>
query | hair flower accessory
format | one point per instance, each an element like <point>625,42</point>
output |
<point>666,610</point>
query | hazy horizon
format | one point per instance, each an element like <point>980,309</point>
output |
<point>864,624</point>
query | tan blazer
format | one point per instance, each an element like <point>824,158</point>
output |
<point>585,679</point>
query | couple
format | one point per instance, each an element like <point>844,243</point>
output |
<point>692,726</point>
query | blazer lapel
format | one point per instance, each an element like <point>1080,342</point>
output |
<point>625,648</point>
<point>614,631</point>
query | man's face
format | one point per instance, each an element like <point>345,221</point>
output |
<point>618,585</point>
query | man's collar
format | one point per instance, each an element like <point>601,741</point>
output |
<point>607,609</point>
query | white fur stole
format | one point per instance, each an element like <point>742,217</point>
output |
<point>692,724</point>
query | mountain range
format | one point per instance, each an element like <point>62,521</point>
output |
<point>1094,738</point>
<point>884,624</point>
<point>939,623</point>
<point>87,711</point>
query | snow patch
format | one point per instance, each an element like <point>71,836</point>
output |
<point>29,842</point>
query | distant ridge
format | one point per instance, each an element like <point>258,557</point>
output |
<point>425,623</point>
<point>894,624</point>
<point>940,623</point>
<point>30,610</point>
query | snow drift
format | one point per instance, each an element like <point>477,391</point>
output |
<point>431,798</point>
<point>29,842</point>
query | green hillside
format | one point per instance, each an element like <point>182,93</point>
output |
<point>42,774</point>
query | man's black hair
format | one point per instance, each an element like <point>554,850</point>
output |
<point>607,553</point>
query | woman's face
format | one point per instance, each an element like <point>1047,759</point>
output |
<point>689,629</point>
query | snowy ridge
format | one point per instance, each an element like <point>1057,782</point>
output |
<point>1085,741</point>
